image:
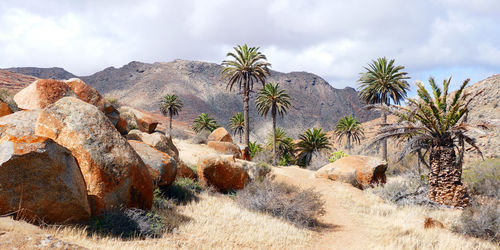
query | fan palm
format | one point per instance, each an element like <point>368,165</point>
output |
<point>382,82</point>
<point>246,67</point>
<point>285,148</point>
<point>271,98</point>
<point>349,127</point>
<point>237,124</point>
<point>311,142</point>
<point>204,122</point>
<point>171,105</point>
<point>439,125</point>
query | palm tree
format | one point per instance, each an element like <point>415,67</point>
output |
<point>247,67</point>
<point>204,122</point>
<point>311,142</point>
<point>349,127</point>
<point>438,125</point>
<point>285,148</point>
<point>171,105</point>
<point>381,83</point>
<point>271,98</point>
<point>254,148</point>
<point>237,124</point>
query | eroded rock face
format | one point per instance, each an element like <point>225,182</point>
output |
<point>89,95</point>
<point>161,166</point>
<point>220,134</point>
<point>221,172</point>
<point>114,173</point>
<point>41,93</point>
<point>4,109</point>
<point>157,140</point>
<point>225,148</point>
<point>360,171</point>
<point>145,122</point>
<point>38,175</point>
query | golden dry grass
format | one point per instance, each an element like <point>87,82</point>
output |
<point>403,227</point>
<point>213,222</point>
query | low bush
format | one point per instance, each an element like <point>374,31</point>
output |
<point>179,134</point>
<point>300,207</point>
<point>483,177</point>
<point>201,137</point>
<point>182,191</point>
<point>481,220</point>
<point>337,155</point>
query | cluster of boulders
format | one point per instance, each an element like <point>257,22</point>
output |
<point>64,156</point>
<point>220,140</point>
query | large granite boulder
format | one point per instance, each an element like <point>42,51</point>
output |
<point>225,148</point>
<point>145,121</point>
<point>360,171</point>
<point>158,140</point>
<point>41,93</point>
<point>114,173</point>
<point>39,179</point>
<point>220,134</point>
<point>221,172</point>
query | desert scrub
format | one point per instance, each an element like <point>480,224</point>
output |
<point>318,161</point>
<point>481,220</point>
<point>201,137</point>
<point>182,191</point>
<point>300,207</point>
<point>483,177</point>
<point>179,134</point>
<point>337,155</point>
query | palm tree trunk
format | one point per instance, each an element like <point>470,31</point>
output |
<point>273,113</point>
<point>246,109</point>
<point>384,143</point>
<point>349,143</point>
<point>445,178</point>
<point>240,135</point>
<point>170,125</point>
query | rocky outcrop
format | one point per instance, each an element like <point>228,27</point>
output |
<point>184,171</point>
<point>359,171</point>
<point>122,125</point>
<point>221,172</point>
<point>39,179</point>
<point>4,109</point>
<point>220,134</point>
<point>41,93</point>
<point>158,140</point>
<point>115,175</point>
<point>225,148</point>
<point>161,166</point>
<point>145,122</point>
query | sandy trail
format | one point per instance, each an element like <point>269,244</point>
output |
<point>342,230</point>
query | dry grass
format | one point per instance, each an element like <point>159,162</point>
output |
<point>403,227</point>
<point>213,222</point>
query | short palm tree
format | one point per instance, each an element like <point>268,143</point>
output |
<point>204,122</point>
<point>254,148</point>
<point>171,105</point>
<point>382,82</point>
<point>349,127</point>
<point>247,66</point>
<point>311,142</point>
<point>285,148</point>
<point>437,124</point>
<point>271,98</point>
<point>237,124</point>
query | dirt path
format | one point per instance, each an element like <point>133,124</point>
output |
<point>343,231</point>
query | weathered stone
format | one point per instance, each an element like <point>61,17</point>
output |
<point>145,122</point>
<point>114,173</point>
<point>122,125</point>
<point>432,223</point>
<point>161,166</point>
<point>225,148</point>
<point>41,93</point>
<point>220,134</point>
<point>4,109</point>
<point>158,140</point>
<point>39,179</point>
<point>360,171</point>
<point>221,172</point>
<point>184,171</point>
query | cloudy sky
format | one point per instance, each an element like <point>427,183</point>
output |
<point>333,39</point>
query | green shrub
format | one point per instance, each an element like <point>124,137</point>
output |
<point>301,207</point>
<point>183,190</point>
<point>254,148</point>
<point>337,155</point>
<point>483,177</point>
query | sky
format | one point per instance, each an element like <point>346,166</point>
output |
<point>333,39</point>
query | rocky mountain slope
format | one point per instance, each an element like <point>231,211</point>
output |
<point>14,81</point>
<point>43,73</point>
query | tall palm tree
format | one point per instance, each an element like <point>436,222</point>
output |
<point>349,127</point>
<point>271,98</point>
<point>438,125</point>
<point>237,124</point>
<point>382,82</point>
<point>285,148</point>
<point>246,67</point>
<point>171,105</point>
<point>311,142</point>
<point>204,122</point>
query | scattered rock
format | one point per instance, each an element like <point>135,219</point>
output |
<point>225,148</point>
<point>145,122</point>
<point>4,109</point>
<point>41,93</point>
<point>360,171</point>
<point>184,171</point>
<point>221,172</point>
<point>122,125</point>
<point>220,134</point>
<point>432,223</point>
<point>245,154</point>
<point>161,166</point>
<point>39,179</point>
<point>157,140</point>
<point>115,175</point>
